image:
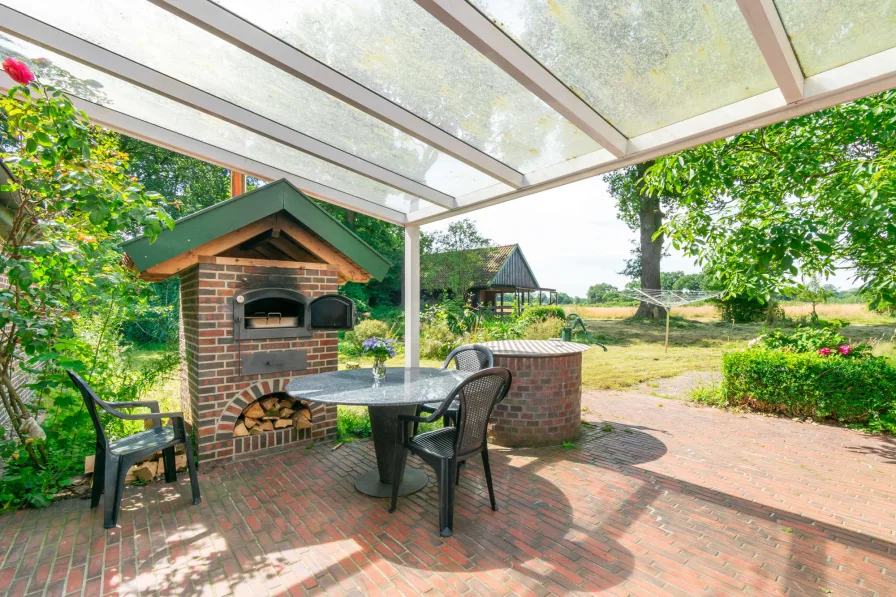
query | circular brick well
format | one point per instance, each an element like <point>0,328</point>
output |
<point>544,405</point>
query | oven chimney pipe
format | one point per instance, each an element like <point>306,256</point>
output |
<point>237,183</point>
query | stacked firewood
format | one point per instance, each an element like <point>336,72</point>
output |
<point>273,412</point>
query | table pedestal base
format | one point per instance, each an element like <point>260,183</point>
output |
<point>384,427</point>
<point>369,483</point>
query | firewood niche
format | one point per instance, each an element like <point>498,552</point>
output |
<point>274,411</point>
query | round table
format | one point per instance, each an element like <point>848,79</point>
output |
<point>398,394</point>
<point>544,405</point>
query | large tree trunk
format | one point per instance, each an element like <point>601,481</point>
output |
<point>650,217</point>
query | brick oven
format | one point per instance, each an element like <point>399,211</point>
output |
<point>259,276</point>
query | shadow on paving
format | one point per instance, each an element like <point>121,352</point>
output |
<point>294,521</point>
<point>885,450</point>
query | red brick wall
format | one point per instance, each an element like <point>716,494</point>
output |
<point>544,406</point>
<point>214,391</point>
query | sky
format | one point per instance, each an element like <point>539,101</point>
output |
<point>571,237</point>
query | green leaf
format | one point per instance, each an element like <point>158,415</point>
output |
<point>43,139</point>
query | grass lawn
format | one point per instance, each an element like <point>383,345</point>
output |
<point>636,355</point>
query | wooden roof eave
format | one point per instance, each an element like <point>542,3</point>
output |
<point>218,221</point>
<point>347,270</point>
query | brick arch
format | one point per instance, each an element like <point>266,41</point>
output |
<point>236,405</point>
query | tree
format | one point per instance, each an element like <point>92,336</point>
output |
<point>385,238</point>
<point>602,293</point>
<point>72,201</point>
<point>815,292</point>
<point>188,183</point>
<point>669,279</point>
<point>564,299</point>
<point>801,198</point>
<point>455,254</point>
<point>691,282</point>
<point>642,211</point>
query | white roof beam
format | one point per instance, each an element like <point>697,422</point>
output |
<point>109,62</point>
<point>276,52</point>
<point>162,137</point>
<point>478,31</point>
<point>867,76</point>
<point>768,30</point>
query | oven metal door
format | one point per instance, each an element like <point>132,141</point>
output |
<point>332,312</point>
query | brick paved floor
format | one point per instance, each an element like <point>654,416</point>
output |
<point>675,500</point>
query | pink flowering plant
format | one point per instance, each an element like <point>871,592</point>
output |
<point>823,341</point>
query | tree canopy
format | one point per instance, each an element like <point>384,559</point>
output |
<point>459,260</point>
<point>802,198</point>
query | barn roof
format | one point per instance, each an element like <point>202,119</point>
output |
<point>503,265</point>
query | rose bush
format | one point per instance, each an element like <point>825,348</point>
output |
<point>72,204</point>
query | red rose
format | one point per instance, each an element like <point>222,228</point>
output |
<point>17,71</point>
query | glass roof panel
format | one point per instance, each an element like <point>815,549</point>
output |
<point>106,90</point>
<point>396,48</point>
<point>641,64</point>
<point>829,33</point>
<point>156,38</point>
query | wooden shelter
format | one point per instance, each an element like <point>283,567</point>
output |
<point>494,277</point>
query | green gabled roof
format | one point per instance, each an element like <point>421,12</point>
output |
<point>223,218</point>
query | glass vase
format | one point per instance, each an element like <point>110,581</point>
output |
<point>379,368</point>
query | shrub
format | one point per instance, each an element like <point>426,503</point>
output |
<point>370,328</point>
<point>544,330</point>
<point>495,328</point>
<point>741,309</point>
<point>806,384</point>
<point>543,312</point>
<point>350,345</point>
<point>352,422</point>
<point>436,340</point>
<point>825,341</point>
<point>802,339</point>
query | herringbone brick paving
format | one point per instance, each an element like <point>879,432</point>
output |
<point>675,500</point>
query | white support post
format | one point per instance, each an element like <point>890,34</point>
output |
<point>412,296</point>
<point>768,30</point>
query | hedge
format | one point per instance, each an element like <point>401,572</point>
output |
<point>850,390</point>
<point>542,312</point>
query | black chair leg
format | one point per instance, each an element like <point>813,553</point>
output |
<point>170,465</point>
<point>124,466</point>
<point>99,477</point>
<point>398,462</point>
<point>447,471</point>
<point>488,479</point>
<point>110,501</point>
<point>191,466</point>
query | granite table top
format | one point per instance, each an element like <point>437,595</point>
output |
<point>402,386</point>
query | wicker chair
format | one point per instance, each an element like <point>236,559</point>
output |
<point>114,459</point>
<point>444,449</point>
<point>472,357</point>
